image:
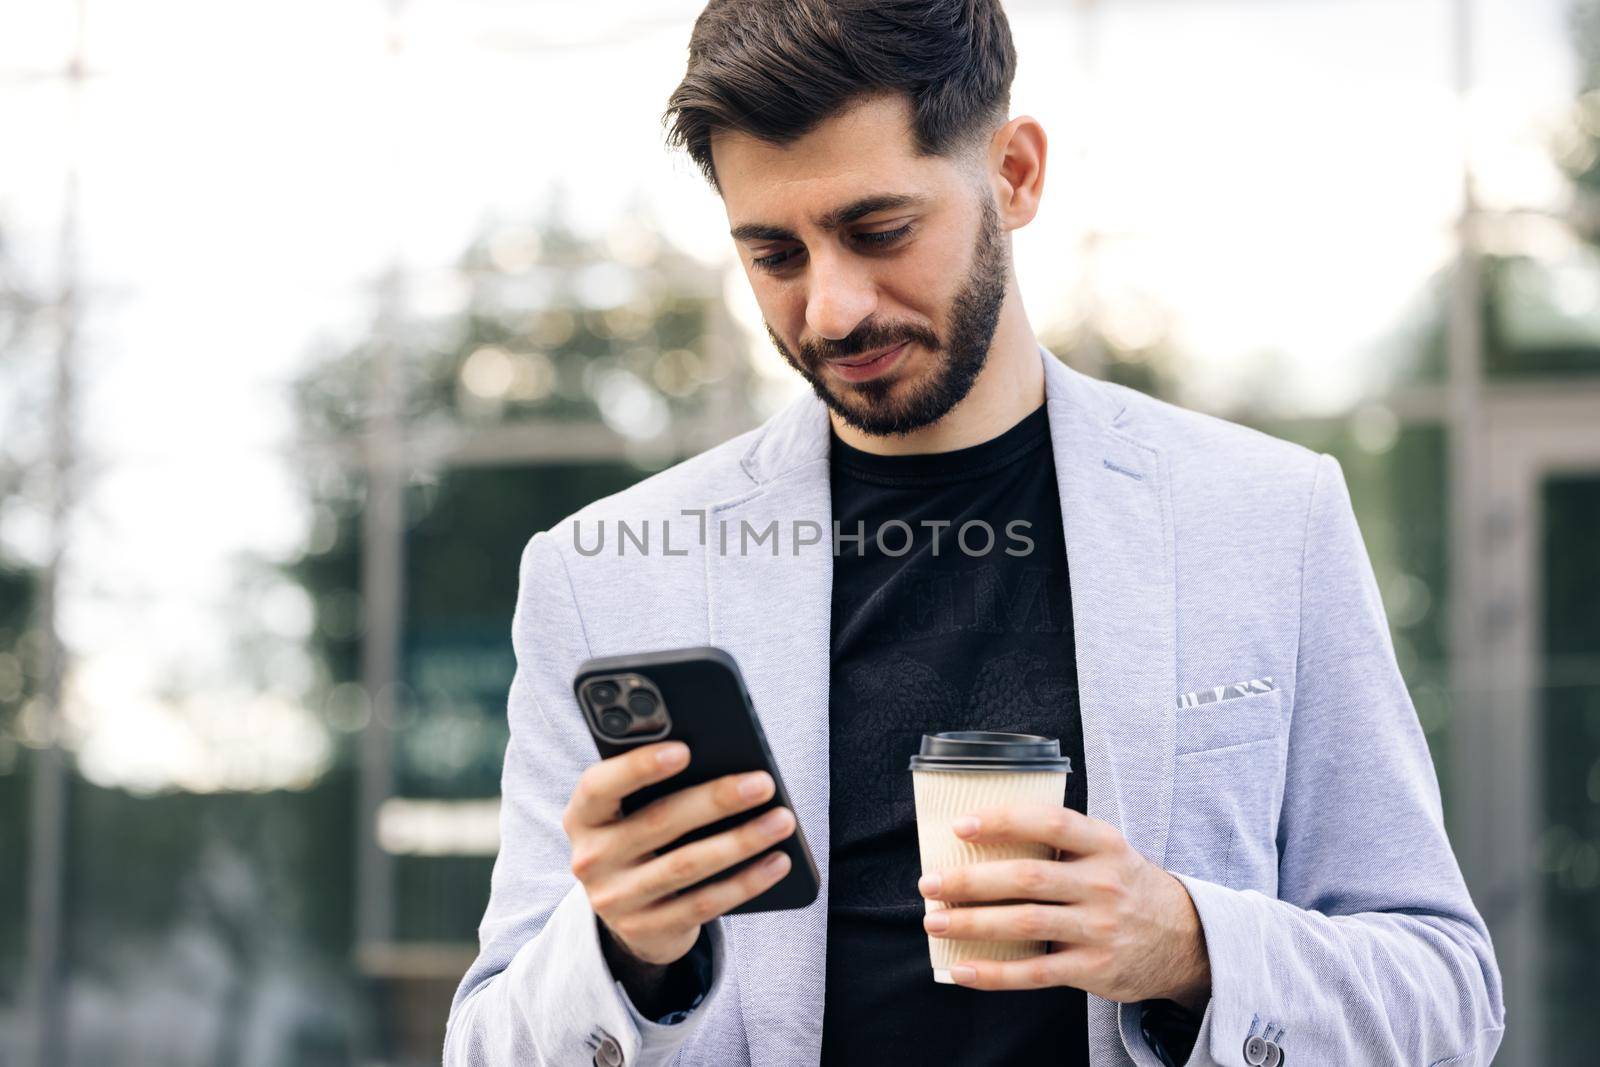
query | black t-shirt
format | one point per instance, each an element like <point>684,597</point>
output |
<point>965,626</point>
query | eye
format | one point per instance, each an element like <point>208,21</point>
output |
<point>884,237</point>
<point>775,260</point>
<point>876,239</point>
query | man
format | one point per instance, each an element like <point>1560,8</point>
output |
<point>1251,861</point>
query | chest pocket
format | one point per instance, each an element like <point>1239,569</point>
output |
<point>1227,785</point>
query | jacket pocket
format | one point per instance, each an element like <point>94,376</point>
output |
<point>1227,778</point>
<point>1222,723</point>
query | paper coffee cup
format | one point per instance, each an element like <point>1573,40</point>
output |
<point>957,773</point>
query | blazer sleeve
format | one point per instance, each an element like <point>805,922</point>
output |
<point>1373,951</point>
<point>540,992</point>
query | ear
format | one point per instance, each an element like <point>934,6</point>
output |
<point>1016,170</point>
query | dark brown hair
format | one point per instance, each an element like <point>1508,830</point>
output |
<point>774,69</point>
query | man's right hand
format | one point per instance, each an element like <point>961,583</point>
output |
<point>634,891</point>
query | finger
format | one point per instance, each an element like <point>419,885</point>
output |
<point>718,898</point>
<point>1068,967</point>
<point>1051,880</point>
<point>597,796</point>
<point>668,818</point>
<point>1064,829</point>
<point>699,860</point>
<point>1010,922</point>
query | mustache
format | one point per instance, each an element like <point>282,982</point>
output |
<point>867,341</point>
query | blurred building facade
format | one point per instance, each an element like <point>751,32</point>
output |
<point>316,902</point>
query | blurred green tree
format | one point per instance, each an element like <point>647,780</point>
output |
<point>544,370</point>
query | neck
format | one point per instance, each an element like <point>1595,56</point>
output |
<point>1010,386</point>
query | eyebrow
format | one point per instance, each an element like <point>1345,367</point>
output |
<point>830,221</point>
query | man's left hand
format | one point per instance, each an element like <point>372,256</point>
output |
<point>1121,927</point>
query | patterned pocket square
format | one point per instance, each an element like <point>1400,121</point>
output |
<point>1226,692</point>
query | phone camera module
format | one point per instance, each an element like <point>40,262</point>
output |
<point>602,693</point>
<point>615,722</point>
<point>642,702</point>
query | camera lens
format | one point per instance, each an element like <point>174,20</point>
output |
<point>602,692</point>
<point>642,702</point>
<point>615,722</point>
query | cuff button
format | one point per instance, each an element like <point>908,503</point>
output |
<point>1255,1050</point>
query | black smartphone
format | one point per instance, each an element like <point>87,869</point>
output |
<point>697,696</point>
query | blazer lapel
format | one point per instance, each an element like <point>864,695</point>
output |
<point>1117,512</point>
<point>773,612</point>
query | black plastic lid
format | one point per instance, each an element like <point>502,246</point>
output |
<point>985,750</point>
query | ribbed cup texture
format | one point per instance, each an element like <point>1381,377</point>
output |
<point>944,796</point>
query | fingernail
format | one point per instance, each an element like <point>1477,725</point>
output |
<point>672,756</point>
<point>753,785</point>
<point>774,861</point>
<point>936,921</point>
<point>966,826</point>
<point>963,974</point>
<point>774,820</point>
<point>929,884</point>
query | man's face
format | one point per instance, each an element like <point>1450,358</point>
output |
<point>853,245</point>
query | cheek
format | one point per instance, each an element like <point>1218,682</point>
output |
<point>775,302</point>
<point>926,279</point>
<point>922,297</point>
<point>784,307</point>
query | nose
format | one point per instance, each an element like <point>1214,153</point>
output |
<point>841,296</point>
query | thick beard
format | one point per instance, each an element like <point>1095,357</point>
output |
<point>974,315</point>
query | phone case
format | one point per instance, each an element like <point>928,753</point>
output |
<point>709,709</point>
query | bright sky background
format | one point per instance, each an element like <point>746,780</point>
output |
<point>1269,178</point>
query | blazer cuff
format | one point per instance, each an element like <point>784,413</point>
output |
<point>1139,1042</point>
<point>1241,1008</point>
<point>591,1003</point>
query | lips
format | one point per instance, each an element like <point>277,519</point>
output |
<point>856,361</point>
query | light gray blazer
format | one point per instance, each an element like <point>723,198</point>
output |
<point>1303,816</point>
